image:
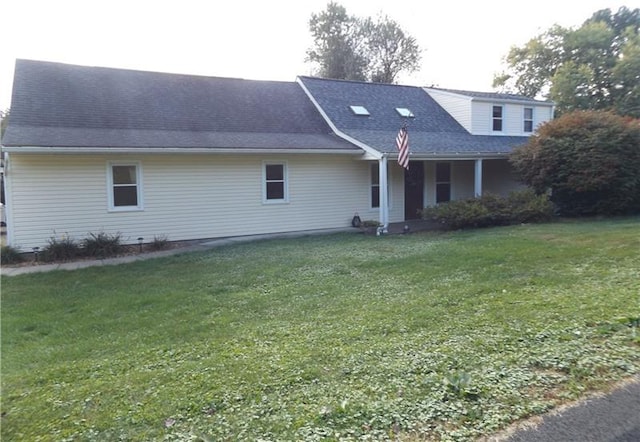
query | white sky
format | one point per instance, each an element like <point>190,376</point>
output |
<point>463,41</point>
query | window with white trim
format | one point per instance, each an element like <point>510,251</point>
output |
<point>375,185</point>
<point>125,186</point>
<point>275,183</point>
<point>497,118</point>
<point>443,182</point>
<point>528,119</point>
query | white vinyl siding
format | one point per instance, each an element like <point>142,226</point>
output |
<point>512,118</point>
<point>497,178</point>
<point>458,106</point>
<point>476,115</point>
<point>187,196</point>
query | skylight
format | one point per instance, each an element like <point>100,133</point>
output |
<point>404,112</point>
<point>360,110</point>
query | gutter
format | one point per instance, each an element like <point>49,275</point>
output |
<point>169,150</point>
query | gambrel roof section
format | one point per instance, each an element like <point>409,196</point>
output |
<point>432,130</point>
<point>61,105</point>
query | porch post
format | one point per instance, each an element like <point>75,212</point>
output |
<point>384,193</point>
<point>477,187</point>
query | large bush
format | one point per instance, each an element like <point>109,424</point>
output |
<point>590,161</point>
<point>491,210</point>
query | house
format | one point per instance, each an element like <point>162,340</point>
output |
<point>146,154</point>
<point>459,141</point>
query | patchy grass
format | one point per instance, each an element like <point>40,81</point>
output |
<point>345,337</point>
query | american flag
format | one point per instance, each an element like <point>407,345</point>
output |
<point>402,141</point>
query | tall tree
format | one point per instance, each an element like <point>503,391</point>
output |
<point>591,67</point>
<point>351,48</point>
<point>336,44</point>
<point>389,50</point>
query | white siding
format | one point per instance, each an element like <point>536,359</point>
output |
<point>458,106</point>
<point>185,197</point>
<point>512,118</point>
<point>497,178</point>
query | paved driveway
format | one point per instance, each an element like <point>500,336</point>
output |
<point>614,417</point>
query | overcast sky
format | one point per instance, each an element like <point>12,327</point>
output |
<point>463,41</point>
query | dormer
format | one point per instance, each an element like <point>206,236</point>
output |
<point>488,113</point>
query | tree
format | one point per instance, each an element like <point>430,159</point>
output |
<point>350,48</point>
<point>336,44</point>
<point>591,67</point>
<point>589,160</point>
<point>389,50</point>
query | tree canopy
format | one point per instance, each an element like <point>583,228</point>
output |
<point>589,160</point>
<point>596,66</point>
<point>351,48</point>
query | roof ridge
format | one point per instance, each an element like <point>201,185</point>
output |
<point>142,71</point>
<point>372,83</point>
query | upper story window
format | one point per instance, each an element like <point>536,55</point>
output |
<point>275,183</point>
<point>125,186</point>
<point>497,118</point>
<point>528,119</point>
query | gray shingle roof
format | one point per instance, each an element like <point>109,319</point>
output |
<point>493,96</point>
<point>432,131</point>
<point>57,104</point>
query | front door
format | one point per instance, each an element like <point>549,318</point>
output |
<point>413,190</point>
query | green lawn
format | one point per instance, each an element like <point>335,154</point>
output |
<point>342,337</point>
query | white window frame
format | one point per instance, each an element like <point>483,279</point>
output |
<point>525,120</point>
<point>110,186</point>
<point>374,174</point>
<point>493,118</point>
<point>449,183</point>
<point>285,178</point>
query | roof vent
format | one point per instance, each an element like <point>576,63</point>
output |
<point>404,112</point>
<point>360,110</point>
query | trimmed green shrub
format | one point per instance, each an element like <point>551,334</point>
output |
<point>60,249</point>
<point>10,255</point>
<point>103,245</point>
<point>491,210</point>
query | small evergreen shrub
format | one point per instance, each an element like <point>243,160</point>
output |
<point>10,255</point>
<point>159,243</point>
<point>60,249</point>
<point>103,245</point>
<point>528,207</point>
<point>491,210</point>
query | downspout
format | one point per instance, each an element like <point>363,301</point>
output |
<point>8,200</point>
<point>384,192</point>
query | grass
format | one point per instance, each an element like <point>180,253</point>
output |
<point>344,337</point>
